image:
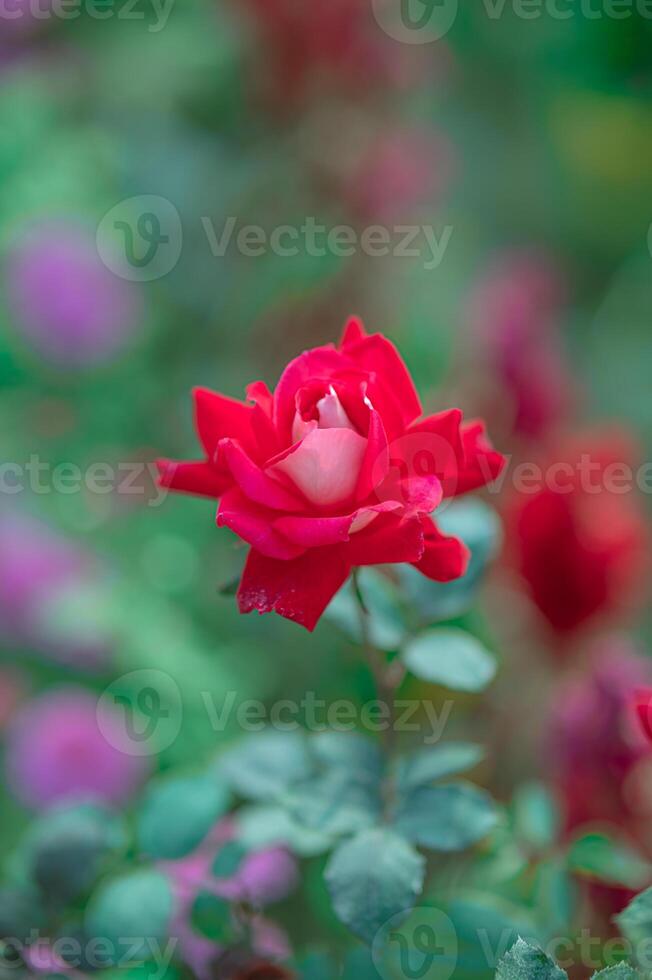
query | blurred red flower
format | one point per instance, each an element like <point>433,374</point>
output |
<point>594,742</point>
<point>333,470</point>
<point>306,47</point>
<point>579,539</point>
<point>599,761</point>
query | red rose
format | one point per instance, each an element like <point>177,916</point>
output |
<point>580,540</point>
<point>333,471</point>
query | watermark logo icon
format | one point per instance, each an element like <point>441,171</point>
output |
<point>140,239</point>
<point>141,712</point>
<point>421,947</point>
<point>416,21</point>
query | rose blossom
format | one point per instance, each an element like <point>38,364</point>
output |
<point>579,542</point>
<point>598,760</point>
<point>334,470</point>
<point>594,744</point>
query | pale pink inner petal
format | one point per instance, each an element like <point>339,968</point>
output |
<point>331,415</point>
<point>325,467</point>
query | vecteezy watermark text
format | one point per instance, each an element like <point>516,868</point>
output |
<point>425,21</point>
<point>155,12</point>
<point>40,477</point>
<point>142,712</point>
<point>318,240</point>
<point>314,714</point>
<point>141,239</point>
<point>45,954</point>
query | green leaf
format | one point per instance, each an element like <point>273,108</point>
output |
<point>211,917</point>
<point>446,818</point>
<point>336,803</point>
<point>267,826</point>
<point>526,962</point>
<point>177,814</point>
<point>138,904</point>
<point>536,816</point>
<point>372,878</point>
<point>349,751</point>
<point>614,862</point>
<point>621,971</point>
<point>635,922</point>
<point>228,859</point>
<point>452,658</point>
<point>427,765</point>
<point>554,896</point>
<point>66,850</point>
<point>387,626</point>
<point>262,766</point>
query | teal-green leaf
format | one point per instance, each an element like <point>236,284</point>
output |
<point>612,861</point>
<point>635,921</point>
<point>210,916</point>
<point>177,814</point>
<point>262,826</point>
<point>554,895</point>
<point>526,962</point>
<point>348,751</point>
<point>228,859</point>
<point>137,904</point>
<point>446,818</point>
<point>65,850</point>
<point>427,765</point>
<point>262,766</point>
<point>451,658</point>
<point>373,877</point>
<point>335,803</point>
<point>536,816</point>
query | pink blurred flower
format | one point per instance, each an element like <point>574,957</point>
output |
<point>265,877</point>
<point>39,568</point>
<point>65,303</point>
<point>513,315</point>
<point>397,171</point>
<point>56,753</point>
